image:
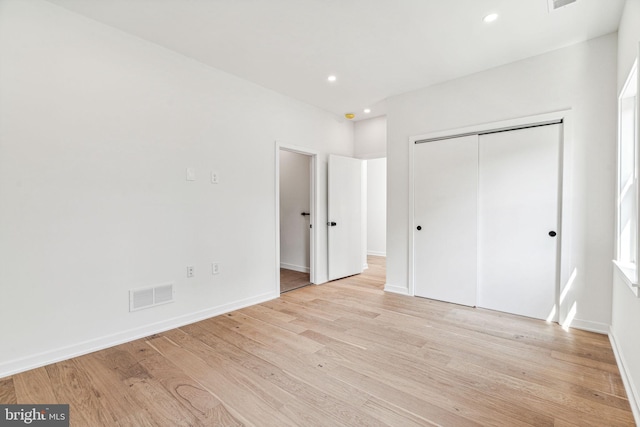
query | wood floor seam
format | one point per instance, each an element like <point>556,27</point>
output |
<point>345,353</point>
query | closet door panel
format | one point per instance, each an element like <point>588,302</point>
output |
<point>518,216</point>
<point>445,210</point>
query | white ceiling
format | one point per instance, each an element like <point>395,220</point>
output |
<point>376,48</point>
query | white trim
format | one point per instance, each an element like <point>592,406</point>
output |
<point>314,203</point>
<point>376,253</point>
<point>587,325</point>
<point>294,267</point>
<point>627,275</point>
<point>632,392</point>
<point>563,208</point>
<point>629,80</point>
<point>412,221</point>
<point>396,289</point>
<point>365,266</point>
<point>63,353</point>
<point>486,127</point>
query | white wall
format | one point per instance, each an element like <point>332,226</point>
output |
<point>628,39</point>
<point>581,77</point>
<point>370,142</point>
<point>370,138</point>
<point>294,199</point>
<point>377,207</point>
<point>626,306</point>
<point>97,130</point>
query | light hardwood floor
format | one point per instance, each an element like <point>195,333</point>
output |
<point>290,280</point>
<point>343,353</point>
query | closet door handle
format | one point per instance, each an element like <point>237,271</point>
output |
<point>552,233</point>
<point>331,224</point>
<point>419,228</point>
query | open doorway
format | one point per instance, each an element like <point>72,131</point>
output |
<point>296,214</point>
<point>370,137</point>
<point>376,215</point>
<point>377,207</point>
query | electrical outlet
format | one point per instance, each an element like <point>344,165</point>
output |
<point>215,268</point>
<point>214,177</point>
<point>190,271</point>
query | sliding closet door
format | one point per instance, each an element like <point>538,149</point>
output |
<point>518,220</point>
<point>445,215</point>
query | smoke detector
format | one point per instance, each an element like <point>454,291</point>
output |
<point>557,4</point>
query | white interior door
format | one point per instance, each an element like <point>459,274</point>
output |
<point>518,216</point>
<point>445,219</point>
<point>344,216</point>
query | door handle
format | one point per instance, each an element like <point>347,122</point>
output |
<point>331,224</point>
<point>552,233</point>
<point>419,228</point>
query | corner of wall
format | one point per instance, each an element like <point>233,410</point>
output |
<point>396,289</point>
<point>632,392</point>
<point>12,367</point>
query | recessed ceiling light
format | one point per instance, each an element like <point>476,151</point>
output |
<point>490,17</point>
<point>367,110</point>
<point>331,78</point>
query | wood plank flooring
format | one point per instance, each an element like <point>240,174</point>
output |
<point>290,280</point>
<point>342,354</point>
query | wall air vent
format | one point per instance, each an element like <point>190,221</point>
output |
<point>557,4</point>
<point>150,297</point>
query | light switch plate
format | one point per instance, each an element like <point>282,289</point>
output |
<point>191,174</point>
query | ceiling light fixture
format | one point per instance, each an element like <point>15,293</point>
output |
<point>349,116</point>
<point>367,110</point>
<point>331,78</point>
<point>490,17</point>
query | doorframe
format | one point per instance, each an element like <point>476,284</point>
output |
<point>313,206</point>
<point>565,271</point>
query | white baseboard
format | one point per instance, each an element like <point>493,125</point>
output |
<point>52,356</point>
<point>586,325</point>
<point>376,253</point>
<point>629,386</point>
<point>396,289</point>
<point>365,266</point>
<point>294,267</point>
